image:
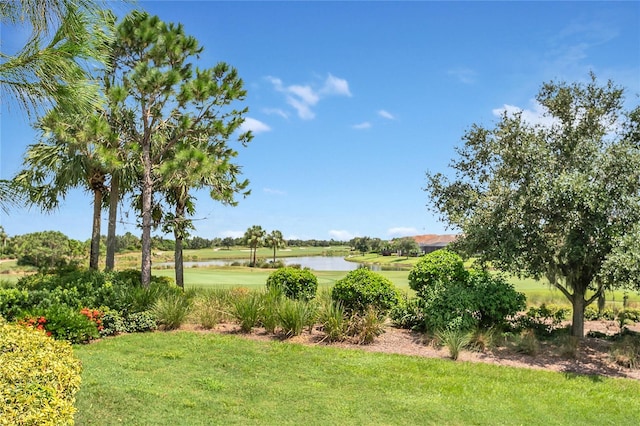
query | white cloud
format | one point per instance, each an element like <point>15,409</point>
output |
<point>533,116</point>
<point>276,111</point>
<point>386,114</point>
<point>341,235</point>
<point>364,125</point>
<point>465,75</point>
<point>303,109</point>
<point>274,191</point>
<point>254,125</point>
<point>303,97</point>
<point>402,231</point>
<point>232,234</point>
<point>335,86</point>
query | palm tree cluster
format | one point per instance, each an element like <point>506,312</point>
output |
<point>158,129</point>
<point>255,236</point>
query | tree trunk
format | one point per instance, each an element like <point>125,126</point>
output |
<point>178,234</point>
<point>255,252</point>
<point>94,257</point>
<point>178,260</point>
<point>577,324</point>
<point>147,190</point>
<point>274,254</point>
<point>114,197</point>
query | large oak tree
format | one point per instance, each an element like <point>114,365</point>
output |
<point>553,200</point>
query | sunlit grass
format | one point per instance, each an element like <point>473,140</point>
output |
<point>185,378</point>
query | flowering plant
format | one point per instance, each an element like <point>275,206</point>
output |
<point>35,322</point>
<point>93,315</point>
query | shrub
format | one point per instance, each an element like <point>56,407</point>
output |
<point>137,322</point>
<point>295,315</point>
<point>65,323</point>
<point>441,267</point>
<point>39,377</point>
<point>366,326</point>
<point>409,313</point>
<point>527,343</point>
<point>495,299</point>
<point>12,302</point>
<point>295,283</point>
<point>247,310</point>
<point>333,321</point>
<point>207,311</point>
<point>362,288</point>
<point>542,320</point>
<point>272,301</point>
<point>626,352</point>
<point>455,340</point>
<point>171,310</point>
<point>112,323</point>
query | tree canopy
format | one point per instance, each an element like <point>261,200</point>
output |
<point>553,199</point>
<point>170,113</point>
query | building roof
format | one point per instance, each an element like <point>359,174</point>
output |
<point>434,240</point>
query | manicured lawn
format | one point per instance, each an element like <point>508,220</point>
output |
<point>226,277</point>
<point>187,378</point>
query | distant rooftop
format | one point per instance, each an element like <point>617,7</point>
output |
<point>434,239</point>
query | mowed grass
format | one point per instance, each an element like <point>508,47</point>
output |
<point>255,278</point>
<point>537,292</point>
<point>188,378</point>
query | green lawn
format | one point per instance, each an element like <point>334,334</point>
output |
<point>536,291</point>
<point>187,378</point>
<point>226,277</point>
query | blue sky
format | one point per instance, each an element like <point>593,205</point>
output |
<point>352,102</point>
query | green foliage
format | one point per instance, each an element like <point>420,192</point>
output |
<point>247,310</point>
<point>362,288</point>
<point>454,298</point>
<point>496,299</point>
<point>436,269</point>
<point>366,326</point>
<point>47,250</point>
<point>294,315</point>
<point>409,313</point>
<point>455,340</point>
<point>12,302</point>
<point>295,283</point>
<point>541,320</point>
<point>560,201</point>
<point>137,322</point>
<point>272,301</point>
<point>78,288</point>
<point>39,378</point>
<point>171,310</point>
<point>65,323</point>
<point>332,317</point>
<point>208,310</point>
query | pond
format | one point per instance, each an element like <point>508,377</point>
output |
<point>316,263</point>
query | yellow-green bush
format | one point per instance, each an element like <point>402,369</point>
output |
<point>39,378</point>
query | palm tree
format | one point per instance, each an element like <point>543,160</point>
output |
<point>275,240</point>
<point>67,157</point>
<point>253,237</point>
<point>53,66</point>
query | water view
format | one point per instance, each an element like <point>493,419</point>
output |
<point>316,263</point>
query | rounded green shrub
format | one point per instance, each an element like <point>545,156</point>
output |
<point>362,288</point>
<point>297,284</point>
<point>39,378</point>
<point>435,269</point>
<point>496,299</point>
